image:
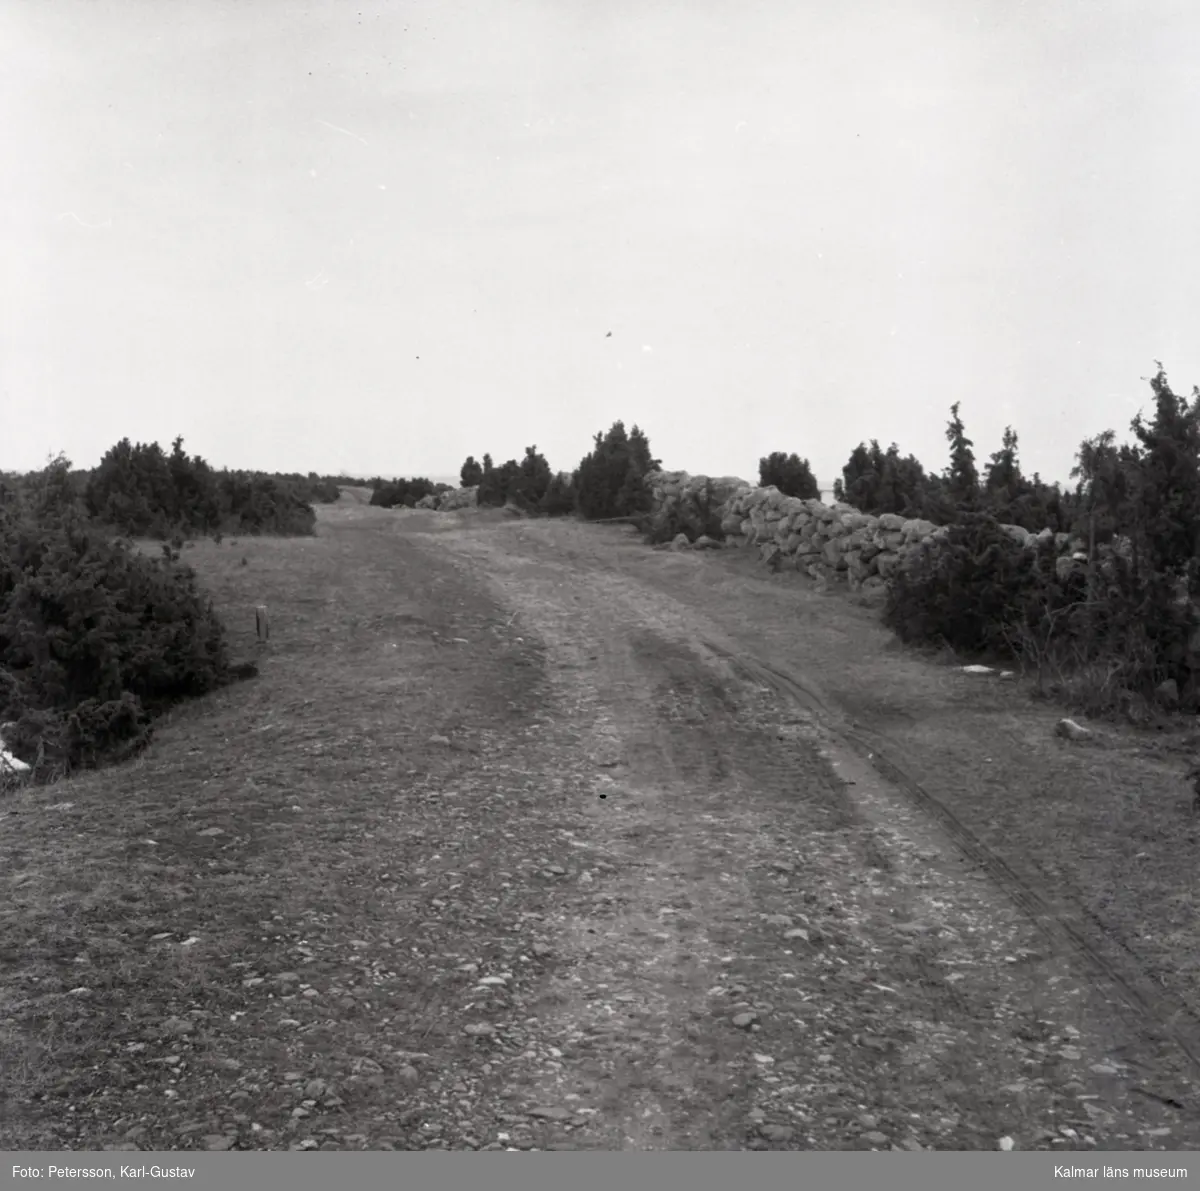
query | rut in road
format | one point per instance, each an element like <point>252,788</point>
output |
<point>1160,1020</point>
<point>912,993</point>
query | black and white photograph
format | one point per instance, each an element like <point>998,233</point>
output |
<point>600,575</point>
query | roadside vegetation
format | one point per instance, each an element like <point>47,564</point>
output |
<point>141,491</point>
<point>97,638</point>
<point>1110,627</point>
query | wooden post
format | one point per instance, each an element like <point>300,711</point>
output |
<point>261,625</point>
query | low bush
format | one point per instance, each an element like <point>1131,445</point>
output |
<point>499,485</point>
<point>389,494</point>
<point>559,497</point>
<point>609,481</point>
<point>96,640</point>
<point>964,589</point>
<point>790,474</point>
<point>1103,642</point>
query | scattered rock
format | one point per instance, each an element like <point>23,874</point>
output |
<point>797,932</point>
<point>1167,693</point>
<point>1070,730</point>
<point>212,831</point>
<point>436,739</point>
<point>777,1133</point>
<point>550,1114</point>
<point>1005,1143</point>
<point>744,1021</point>
<point>219,1141</point>
<point>480,1029</point>
<point>875,1138</point>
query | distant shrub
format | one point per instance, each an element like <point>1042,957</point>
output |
<point>609,481</point>
<point>259,504</point>
<point>141,491</point>
<point>559,497</point>
<point>312,488</point>
<point>790,474</point>
<point>499,484</point>
<point>389,494</point>
<point>471,472</point>
<point>875,482</point>
<point>533,480</point>
<point>964,590</point>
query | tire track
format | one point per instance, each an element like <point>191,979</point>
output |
<point>1156,1017</point>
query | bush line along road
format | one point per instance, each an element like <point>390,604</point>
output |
<point>529,836</point>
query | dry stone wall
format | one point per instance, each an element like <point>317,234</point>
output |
<point>447,502</point>
<point>828,542</point>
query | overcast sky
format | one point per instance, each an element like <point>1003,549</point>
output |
<point>378,237</point>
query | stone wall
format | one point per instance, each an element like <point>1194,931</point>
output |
<point>447,502</point>
<point>829,542</point>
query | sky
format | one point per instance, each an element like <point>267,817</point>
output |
<point>376,238</point>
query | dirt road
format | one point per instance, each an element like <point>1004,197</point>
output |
<point>530,836</point>
<point>781,925</point>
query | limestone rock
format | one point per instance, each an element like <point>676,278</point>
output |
<point>458,498</point>
<point>1070,730</point>
<point>1167,693</point>
<point>886,564</point>
<point>917,529</point>
<point>1018,533</point>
